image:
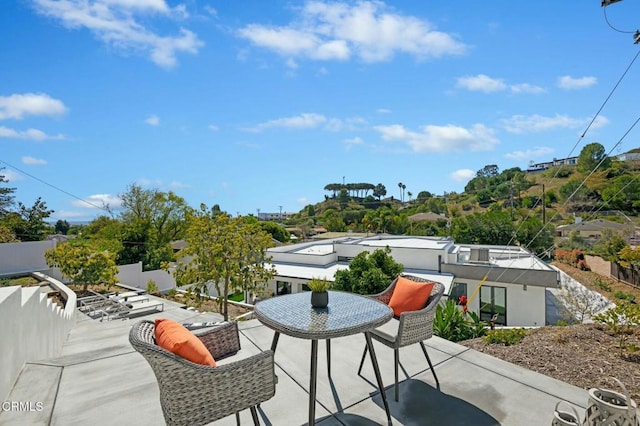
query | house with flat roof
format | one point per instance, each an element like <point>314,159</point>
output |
<point>507,281</point>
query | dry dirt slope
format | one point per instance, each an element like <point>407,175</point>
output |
<point>583,355</point>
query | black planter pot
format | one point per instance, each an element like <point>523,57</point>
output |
<point>319,300</point>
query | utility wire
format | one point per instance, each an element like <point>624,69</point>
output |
<point>56,188</point>
<point>556,174</point>
<point>611,26</point>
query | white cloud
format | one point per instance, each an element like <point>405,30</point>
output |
<point>526,88</point>
<point>29,134</point>
<point>520,124</point>
<point>149,182</point>
<point>292,64</point>
<point>31,161</point>
<point>116,24</point>
<point>150,5</point>
<point>351,124</point>
<point>486,84</point>
<point>11,176</point>
<point>369,30</point>
<point>383,111</point>
<point>152,120</point>
<point>539,151</point>
<point>353,141</point>
<point>178,185</point>
<point>302,121</point>
<point>599,122</point>
<point>98,201</point>
<point>213,127</point>
<point>570,83</point>
<point>463,175</point>
<point>18,106</point>
<point>447,138</point>
<point>481,83</point>
<point>303,201</point>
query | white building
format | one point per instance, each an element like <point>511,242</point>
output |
<point>513,280</point>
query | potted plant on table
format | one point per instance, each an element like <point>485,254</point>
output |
<point>319,293</point>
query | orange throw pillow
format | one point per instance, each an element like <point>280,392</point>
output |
<point>175,338</point>
<point>409,296</point>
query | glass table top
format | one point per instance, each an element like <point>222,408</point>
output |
<point>346,314</point>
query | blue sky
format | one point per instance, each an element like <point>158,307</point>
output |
<point>260,104</point>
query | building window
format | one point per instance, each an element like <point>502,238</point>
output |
<point>493,301</point>
<point>457,290</point>
<point>283,287</point>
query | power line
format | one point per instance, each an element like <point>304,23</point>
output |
<point>611,26</point>
<point>56,188</point>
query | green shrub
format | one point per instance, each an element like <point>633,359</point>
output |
<point>602,284</point>
<point>621,321</point>
<point>152,287</point>
<point>237,297</point>
<point>506,336</point>
<point>452,324</point>
<point>625,296</point>
<point>172,292</point>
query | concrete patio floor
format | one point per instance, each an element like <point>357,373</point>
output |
<point>99,379</point>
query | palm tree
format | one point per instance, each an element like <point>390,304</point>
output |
<point>400,185</point>
<point>409,194</point>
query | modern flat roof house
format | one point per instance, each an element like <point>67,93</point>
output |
<point>513,280</point>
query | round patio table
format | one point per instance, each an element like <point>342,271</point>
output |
<point>346,314</point>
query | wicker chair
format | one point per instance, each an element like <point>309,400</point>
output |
<point>193,394</point>
<point>413,327</point>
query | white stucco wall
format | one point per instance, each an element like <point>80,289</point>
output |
<point>524,308</point>
<point>19,258</point>
<point>33,328</point>
<point>133,275</point>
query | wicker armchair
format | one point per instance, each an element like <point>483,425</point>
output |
<point>193,394</point>
<point>413,327</point>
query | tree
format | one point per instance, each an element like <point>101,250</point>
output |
<point>62,227</point>
<point>229,253</point>
<point>277,232</point>
<point>154,218</point>
<point>494,228</point>
<point>423,195</point>
<point>6,199</point>
<point>593,156</point>
<point>533,235</point>
<point>488,171</point>
<point>28,224</point>
<point>7,236</point>
<point>368,273</point>
<point>609,245</point>
<point>379,191</point>
<point>82,264</point>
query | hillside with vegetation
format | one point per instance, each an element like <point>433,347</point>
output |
<point>500,207</point>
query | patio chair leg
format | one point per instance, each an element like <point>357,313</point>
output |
<point>396,361</point>
<point>237,419</point>
<point>254,414</point>
<point>424,349</point>
<point>364,355</point>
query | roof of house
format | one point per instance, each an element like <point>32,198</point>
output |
<point>593,225</point>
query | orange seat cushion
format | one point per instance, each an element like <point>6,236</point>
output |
<point>175,338</point>
<point>409,296</point>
